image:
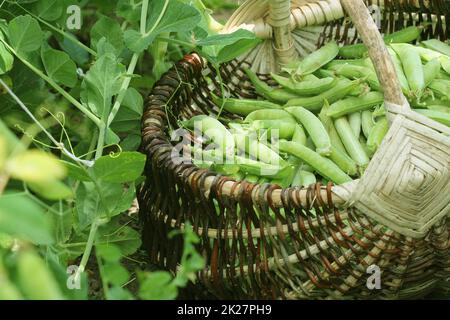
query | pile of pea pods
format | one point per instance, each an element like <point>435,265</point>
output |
<point>322,118</point>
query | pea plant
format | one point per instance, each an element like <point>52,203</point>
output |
<point>73,77</point>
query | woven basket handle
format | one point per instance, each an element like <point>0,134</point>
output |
<point>378,53</point>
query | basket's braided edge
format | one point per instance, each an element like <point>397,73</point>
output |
<point>252,247</point>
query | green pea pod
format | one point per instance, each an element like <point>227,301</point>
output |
<point>329,126</point>
<point>299,135</point>
<point>431,71</point>
<point>355,104</point>
<point>322,165</point>
<point>317,59</point>
<point>441,88</point>
<point>353,62</point>
<point>303,178</point>
<point>442,117</point>
<point>268,115</point>
<point>274,94</point>
<point>367,122</point>
<point>35,278</point>
<point>439,108</point>
<point>351,142</point>
<point>310,87</point>
<point>358,72</point>
<point>252,178</point>
<point>238,176</point>
<point>314,127</point>
<point>214,129</point>
<point>258,168</point>
<point>436,45</point>
<point>258,150</point>
<point>412,67</point>
<point>339,91</point>
<point>243,107</point>
<point>356,51</point>
<point>284,129</point>
<point>377,134</point>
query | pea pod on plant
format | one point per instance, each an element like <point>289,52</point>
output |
<point>314,127</point>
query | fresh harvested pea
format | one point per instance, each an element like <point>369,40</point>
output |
<point>314,127</point>
<point>243,106</point>
<point>377,134</point>
<point>214,129</point>
<point>274,94</point>
<point>412,67</point>
<point>238,176</point>
<point>303,178</point>
<point>339,91</point>
<point>436,45</point>
<point>351,142</point>
<point>356,51</point>
<point>322,165</point>
<point>353,104</point>
<point>442,117</point>
<point>354,62</point>
<point>283,128</point>
<point>324,73</point>
<point>428,54</point>
<point>317,59</point>
<point>270,114</point>
<point>379,111</point>
<point>258,150</point>
<point>329,126</point>
<point>309,87</point>
<point>363,142</point>
<point>367,122</point>
<point>354,119</point>
<point>251,178</point>
<point>358,72</point>
<point>258,168</point>
<point>399,70</point>
<point>343,161</point>
<point>441,88</point>
<point>439,108</point>
<point>431,70</point>
<point>263,180</point>
<point>443,75</point>
<point>299,135</point>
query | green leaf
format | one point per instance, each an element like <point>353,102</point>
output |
<point>59,66</point>
<point>22,218</point>
<point>109,252</point>
<point>101,83</point>
<point>115,274</point>
<point>133,100</point>
<point>177,17</point>
<point>25,34</point>
<point>129,10</point>
<point>74,171</point>
<point>51,190</point>
<point>110,30</point>
<point>49,10</point>
<point>125,238</point>
<point>125,167</point>
<point>156,286</point>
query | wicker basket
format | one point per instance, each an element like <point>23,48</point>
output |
<point>396,217</point>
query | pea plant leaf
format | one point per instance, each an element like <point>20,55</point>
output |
<point>6,58</point>
<point>126,167</point>
<point>125,238</point>
<point>25,34</point>
<point>130,10</point>
<point>49,10</point>
<point>101,83</point>
<point>164,16</point>
<point>110,30</point>
<point>22,218</point>
<point>59,66</point>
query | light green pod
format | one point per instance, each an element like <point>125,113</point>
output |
<point>299,135</point>
<point>355,104</point>
<point>351,142</point>
<point>442,117</point>
<point>354,119</point>
<point>271,114</point>
<point>412,67</point>
<point>317,59</point>
<point>367,122</point>
<point>377,134</point>
<point>431,71</point>
<point>314,127</point>
<point>304,87</point>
